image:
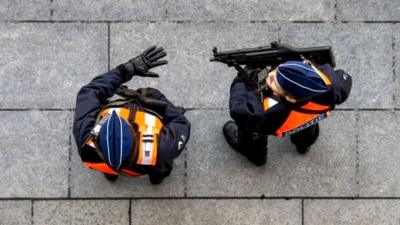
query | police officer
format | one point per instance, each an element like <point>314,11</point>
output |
<point>298,95</point>
<point>141,133</point>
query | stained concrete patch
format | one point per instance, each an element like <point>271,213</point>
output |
<point>351,212</point>
<point>15,212</point>
<point>379,154</point>
<point>216,212</point>
<point>329,169</point>
<point>273,10</point>
<point>43,65</point>
<point>109,10</point>
<point>34,154</point>
<point>363,50</point>
<point>73,212</point>
<point>190,79</point>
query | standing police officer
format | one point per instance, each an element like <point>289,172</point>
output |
<point>298,95</point>
<point>139,134</point>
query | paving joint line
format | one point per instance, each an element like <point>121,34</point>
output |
<point>279,33</point>
<point>302,211</point>
<point>288,198</point>
<point>69,157</point>
<point>51,10</point>
<point>335,10</point>
<point>32,212</point>
<point>358,188</point>
<point>185,178</point>
<point>130,212</point>
<point>394,65</point>
<point>108,45</point>
<point>202,21</point>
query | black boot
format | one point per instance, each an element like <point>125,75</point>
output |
<point>259,158</point>
<point>248,148</point>
<point>303,149</point>
<point>231,134</point>
<point>156,180</point>
<point>304,139</point>
<point>110,177</point>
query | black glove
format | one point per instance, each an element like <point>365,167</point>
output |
<point>141,64</point>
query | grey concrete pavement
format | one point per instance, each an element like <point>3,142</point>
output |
<point>50,48</point>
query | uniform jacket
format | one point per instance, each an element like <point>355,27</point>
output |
<point>248,112</point>
<point>93,96</point>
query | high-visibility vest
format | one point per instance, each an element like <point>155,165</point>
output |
<point>149,126</point>
<point>303,117</point>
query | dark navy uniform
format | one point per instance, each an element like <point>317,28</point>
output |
<point>171,140</point>
<point>256,121</point>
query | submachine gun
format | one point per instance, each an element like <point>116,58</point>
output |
<point>266,58</point>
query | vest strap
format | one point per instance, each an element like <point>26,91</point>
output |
<point>103,167</point>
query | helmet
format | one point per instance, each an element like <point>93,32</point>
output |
<point>117,139</point>
<point>300,80</point>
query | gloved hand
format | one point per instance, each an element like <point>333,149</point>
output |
<point>141,64</point>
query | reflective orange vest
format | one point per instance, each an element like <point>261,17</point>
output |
<point>307,115</point>
<point>149,127</point>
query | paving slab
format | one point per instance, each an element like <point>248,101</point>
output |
<point>43,65</point>
<point>15,212</point>
<point>73,212</point>
<point>216,212</point>
<point>272,10</point>
<point>329,169</point>
<point>189,79</point>
<point>109,10</point>
<point>379,154</point>
<point>368,10</point>
<point>396,36</point>
<point>351,212</point>
<point>89,183</point>
<point>34,152</point>
<point>363,50</point>
<point>25,10</point>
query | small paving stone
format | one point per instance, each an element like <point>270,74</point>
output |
<point>109,10</point>
<point>77,212</point>
<point>190,79</point>
<point>43,65</point>
<point>272,10</point>
<point>15,212</point>
<point>25,10</point>
<point>368,10</point>
<point>224,212</point>
<point>379,154</point>
<point>34,153</point>
<point>363,50</point>
<point>329,169</point>
<point>351,212</point>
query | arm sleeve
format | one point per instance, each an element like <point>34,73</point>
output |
<point>341,83</point>
<point>90,100</point>
<point>245,106</point>
<point>173,136</point>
